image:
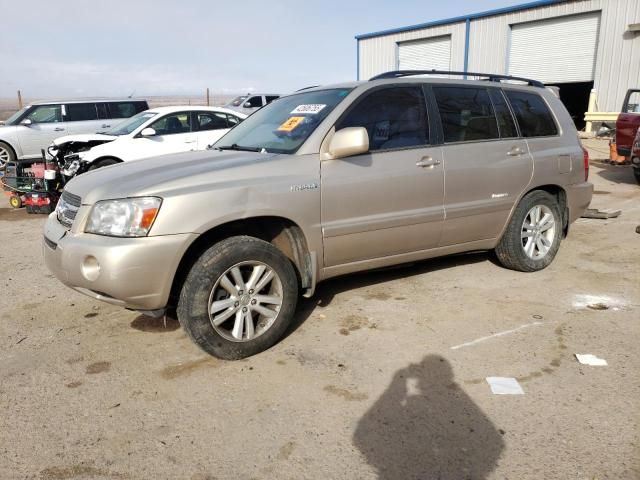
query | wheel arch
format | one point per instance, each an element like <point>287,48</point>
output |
<point>13,149</point>
<point>558,192</point>
<point>281,232</point>
<point>106,157</point>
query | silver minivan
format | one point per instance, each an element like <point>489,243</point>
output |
<point>33,128</point>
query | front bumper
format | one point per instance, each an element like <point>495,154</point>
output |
<point>578,199</point>
<point>134,273</point>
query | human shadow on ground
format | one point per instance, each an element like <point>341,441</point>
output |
<point>616,173</point>
<point>424,426</point>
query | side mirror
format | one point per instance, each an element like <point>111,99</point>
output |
<point>148,132</point>
<point>349,141</point>
<point>247,105</point>
<point>26,122</point>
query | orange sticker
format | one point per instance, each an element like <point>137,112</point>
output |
<point>290,124</point>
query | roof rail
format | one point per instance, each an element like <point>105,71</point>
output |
<point>306,88</point>
<point>492,77</point>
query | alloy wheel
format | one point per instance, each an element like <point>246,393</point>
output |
<point>538,232</point>
<point>245,301</point>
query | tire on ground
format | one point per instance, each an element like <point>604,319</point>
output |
<point>193,303</point>
<point>510,250</point>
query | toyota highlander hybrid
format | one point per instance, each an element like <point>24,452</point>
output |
<point>324,182</point>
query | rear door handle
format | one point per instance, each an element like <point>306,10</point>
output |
<point>58,129</point>
<point>189,141</point>
<point>427,162</point>
<point>515,151</point>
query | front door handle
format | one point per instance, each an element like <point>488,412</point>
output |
<point>58,129</point>
<point>104,125</point>
<point>189,141</point>
<point>427,162</point>
<point>515,151</point>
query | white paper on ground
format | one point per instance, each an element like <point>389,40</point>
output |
<point>589,359</point>
<point>505,386</point>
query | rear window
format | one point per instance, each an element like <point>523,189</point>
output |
<point>126,109</point>
<point>77,112</point>
<point>532,114</point>
<point>466,114</point>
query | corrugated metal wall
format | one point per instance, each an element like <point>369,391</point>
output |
<point>617,59</point>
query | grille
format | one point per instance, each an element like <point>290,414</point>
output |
<point>68,208</point>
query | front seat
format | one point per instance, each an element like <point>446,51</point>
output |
<point>174,125</point>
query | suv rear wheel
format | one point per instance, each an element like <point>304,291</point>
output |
<point>533,236</point>
<point>239,298</point>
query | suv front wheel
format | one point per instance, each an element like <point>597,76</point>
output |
<point>533,235</point>
<point>238,298</point>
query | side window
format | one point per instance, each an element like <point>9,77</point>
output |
<point>172,124</point>
<point>271,98</point>
<point>466,114</point>
<point>255,102</point>
<point>45,114</point>
<point>211,121</point>
<point>532,114</point>
<point>233,120</point>
<point>78,112</point>
<point>140,106</point>
<point>122,109</point>
<point>506,124</point>
<point>633,103</point>
<point>394,117</point>
<point>103,111</point>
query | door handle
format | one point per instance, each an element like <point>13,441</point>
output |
<point>104,125</point>
<point>515,151</point>
<point>58,129</point>
<point>427,162</point>
<point>189,141</point>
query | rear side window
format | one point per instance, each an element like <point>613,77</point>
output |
<point>271,98</point>
<point>506,124</point>
<point>394,118</point>
<point>255,102</point>
<point>466,114</point>
<point>211,121</point>
<point>77,112</point>
<point>126,109</point>
<point>532,114</point>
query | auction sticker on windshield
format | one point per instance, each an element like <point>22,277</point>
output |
<point>290,124</point>
<point>310,108</point>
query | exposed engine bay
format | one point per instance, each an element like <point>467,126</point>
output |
<point>66,152</point>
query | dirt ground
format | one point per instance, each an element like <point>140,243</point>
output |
<point>382,377</point>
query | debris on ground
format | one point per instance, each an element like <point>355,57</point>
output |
<point>601,214</point>
<point>589,359</point>
<point>504,386</point>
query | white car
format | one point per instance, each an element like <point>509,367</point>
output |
<point>158,131</point>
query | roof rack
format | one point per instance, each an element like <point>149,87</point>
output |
<point>492,77</point>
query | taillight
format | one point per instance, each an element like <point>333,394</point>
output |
<point>585,157</point>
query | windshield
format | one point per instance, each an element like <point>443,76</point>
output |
<point>15,116</point>
<point>284,124</point>
<point>238,100</point>
<point>130,124</point>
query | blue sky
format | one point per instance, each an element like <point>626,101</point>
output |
<point>88,48</point>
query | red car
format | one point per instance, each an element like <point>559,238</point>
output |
<point>627,141</point>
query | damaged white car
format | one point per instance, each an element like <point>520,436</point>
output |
<point>154,132</point>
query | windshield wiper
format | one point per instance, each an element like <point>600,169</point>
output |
<point>240,148</point>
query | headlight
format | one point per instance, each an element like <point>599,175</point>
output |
<point>126,217</point>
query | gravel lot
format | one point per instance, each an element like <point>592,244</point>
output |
<point>366,386</point>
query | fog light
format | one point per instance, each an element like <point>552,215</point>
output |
<point>90,268</point>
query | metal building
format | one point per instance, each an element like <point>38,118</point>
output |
<point>577,45</point>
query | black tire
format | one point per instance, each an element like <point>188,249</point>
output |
<point>7,154</point>
<point>202,279</point>
<point>105,162</point>
<point>511,249</point>
<point>636,173</point>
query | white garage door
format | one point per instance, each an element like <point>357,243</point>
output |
<point>557,50</point>
<point>425,54</point>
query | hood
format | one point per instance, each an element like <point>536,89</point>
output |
<point>95,138</point>
<point>175,174</point>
